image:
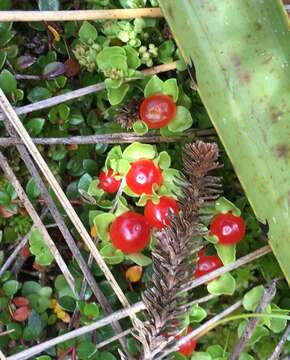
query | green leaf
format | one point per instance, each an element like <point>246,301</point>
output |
<point>4,198</point>
<point>43,357</point>
<point>85,182</point>
<point>10,287</point>
<point>35,323</point>
<point>39,249</point>
<point>64,111</point>
<point>182,120</point>
<point>170,88</point>
<point>32,190</point>
<point>253,297</point>
<point>140,128</point>
<point>92,309</point>
<point>133,346</point>
<point>48,5</point>
<point>165,51</point>
<point>198,355</point>
<point>30,287</point>
<point>8,82</point>
<point>113,57</point>
<point>116,96</point>
<point>120,166</point>
<point>245,356</point>
<point>102,223</point>
<point>215,351</point>
<point>38,93</point>
<point>277,325</point>
<point>227,254</point>
<point>34,126</point>
<point>164,160</point>
<point>223,205</point>
<point>85,350</point>
<point>90,166</point>
<point>166,133</point>
<point>137,151</point>
<point>5,5</point>
<point>197,313</point>
<point>87,32</point>
<point>113,83</point>
<point>114,153</point>
<point>133,60</point>
<point>170,178</point>
<point>112,255</point>
<point>154,86</point>
<point>224,285</point>
<point>105,355</point>
<point>16,334</point>
<point>139,259</point>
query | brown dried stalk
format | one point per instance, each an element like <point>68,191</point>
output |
<point>268,296</point>
<point>171,268</point>
<point>279,348</point>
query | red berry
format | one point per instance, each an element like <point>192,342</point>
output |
<point>187,348</point>
<point>108,181</point>
<point>142,175</point>
<point>206,263</point>
<point>230,229</point>
<point>157,214</point>
<point>130,232</point>
<point>157,111</point>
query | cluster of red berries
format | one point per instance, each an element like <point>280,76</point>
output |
<point>131,231</point>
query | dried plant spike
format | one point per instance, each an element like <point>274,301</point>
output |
<point>129,113</point>
<point>172,270</point>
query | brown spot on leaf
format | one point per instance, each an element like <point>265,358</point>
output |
<point>282,151</point>
<point>212,8</point>
<point>258,26</point>
<point>235,59</point>
<point>245,77</point>
<point>276,114</point>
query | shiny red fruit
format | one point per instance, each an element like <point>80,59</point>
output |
<point>206,263</point>
<point>108,181</point>
<point>157,111</point>
<point>130,232</point>
<point>187,348</point>
<point>157,214</point>
<point>142,175</point>
<point>230,229</point>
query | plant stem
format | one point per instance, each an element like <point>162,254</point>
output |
<point>269,293</point>
<point>116,138</point>
<point>279,348</point>
<point>79,15</point>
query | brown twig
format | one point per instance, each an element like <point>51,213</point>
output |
<point>79,15</point>
<point>279,348</point>
<point>27,77</point>
<point>117,138</point>
<point>76,94</point>
<point>65,232</point>
<point>37,222</point>
<point>269,293</point>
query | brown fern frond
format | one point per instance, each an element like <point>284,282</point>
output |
<point>170,256</point>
